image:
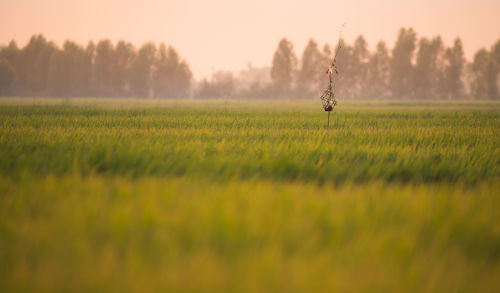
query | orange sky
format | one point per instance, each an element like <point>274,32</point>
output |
<point>227,34</point>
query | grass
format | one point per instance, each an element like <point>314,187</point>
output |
<point>291,144</point>
<point>248,196</point>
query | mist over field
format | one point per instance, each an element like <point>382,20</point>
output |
<point>249,146</point>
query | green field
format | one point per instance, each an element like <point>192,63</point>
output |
<point>127,195</point>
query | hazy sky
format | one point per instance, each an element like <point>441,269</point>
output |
<point>227,34</point>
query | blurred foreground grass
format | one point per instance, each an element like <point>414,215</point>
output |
<point>100,234</point>
<point>248,196</point>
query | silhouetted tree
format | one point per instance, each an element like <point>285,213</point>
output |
<point>359,63</point>
<point>283,67</point>
<point>42,68</point>
<point>141,70</point>
<point>312,67</point>
<point>33,66</point>
<point>172,76</point>
<point>58,78</point>
<point>344,82</point>
<point>453,71</point>
<point>378,73</point>
<point>120,76</point>
<point>402,69</point>
<point>88,70</point>
<point>11,55</point>
<point>7,75</point>
<point>103,67</point>
<point>75,58</point>
<point>327,55</point>
<point>483,84</point>
<point>67,74</point>
<point>495,56</point>
<point>429,68</point>
<point>10,52</point>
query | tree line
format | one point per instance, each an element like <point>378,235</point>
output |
<point>415,68</point>
<point>96,70</point>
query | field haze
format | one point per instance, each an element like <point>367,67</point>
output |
<point>152,195</point>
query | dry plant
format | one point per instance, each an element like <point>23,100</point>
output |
<point>328,97</point>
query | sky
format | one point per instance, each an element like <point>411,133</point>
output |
<point>230,34</point>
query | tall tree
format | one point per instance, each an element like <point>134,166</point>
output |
<point>73,56</point>
<point>378,73</point>
<point>89,80</point>
<point>402,69</point>
<point>453,71</point>
<point>76,56</point>
<point>172,76</point>
<point>10,52</point>
<point>34,65</point>
<point>483,85</point>
<point>7,75</point>
<point>66,71</point>
<point>495,56</point>
<point>11,55</point>
<point>311,68</point>
<point>103,67</point>
<point>124,55</point>
<point>327,55</point>
<point>343,84</point>
<point>283,67</point>
<point>57,77</point>
<point>360,59</point>
<point>141,70</point>
<point>428,69</point>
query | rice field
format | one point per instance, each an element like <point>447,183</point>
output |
<point>129,195</point>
